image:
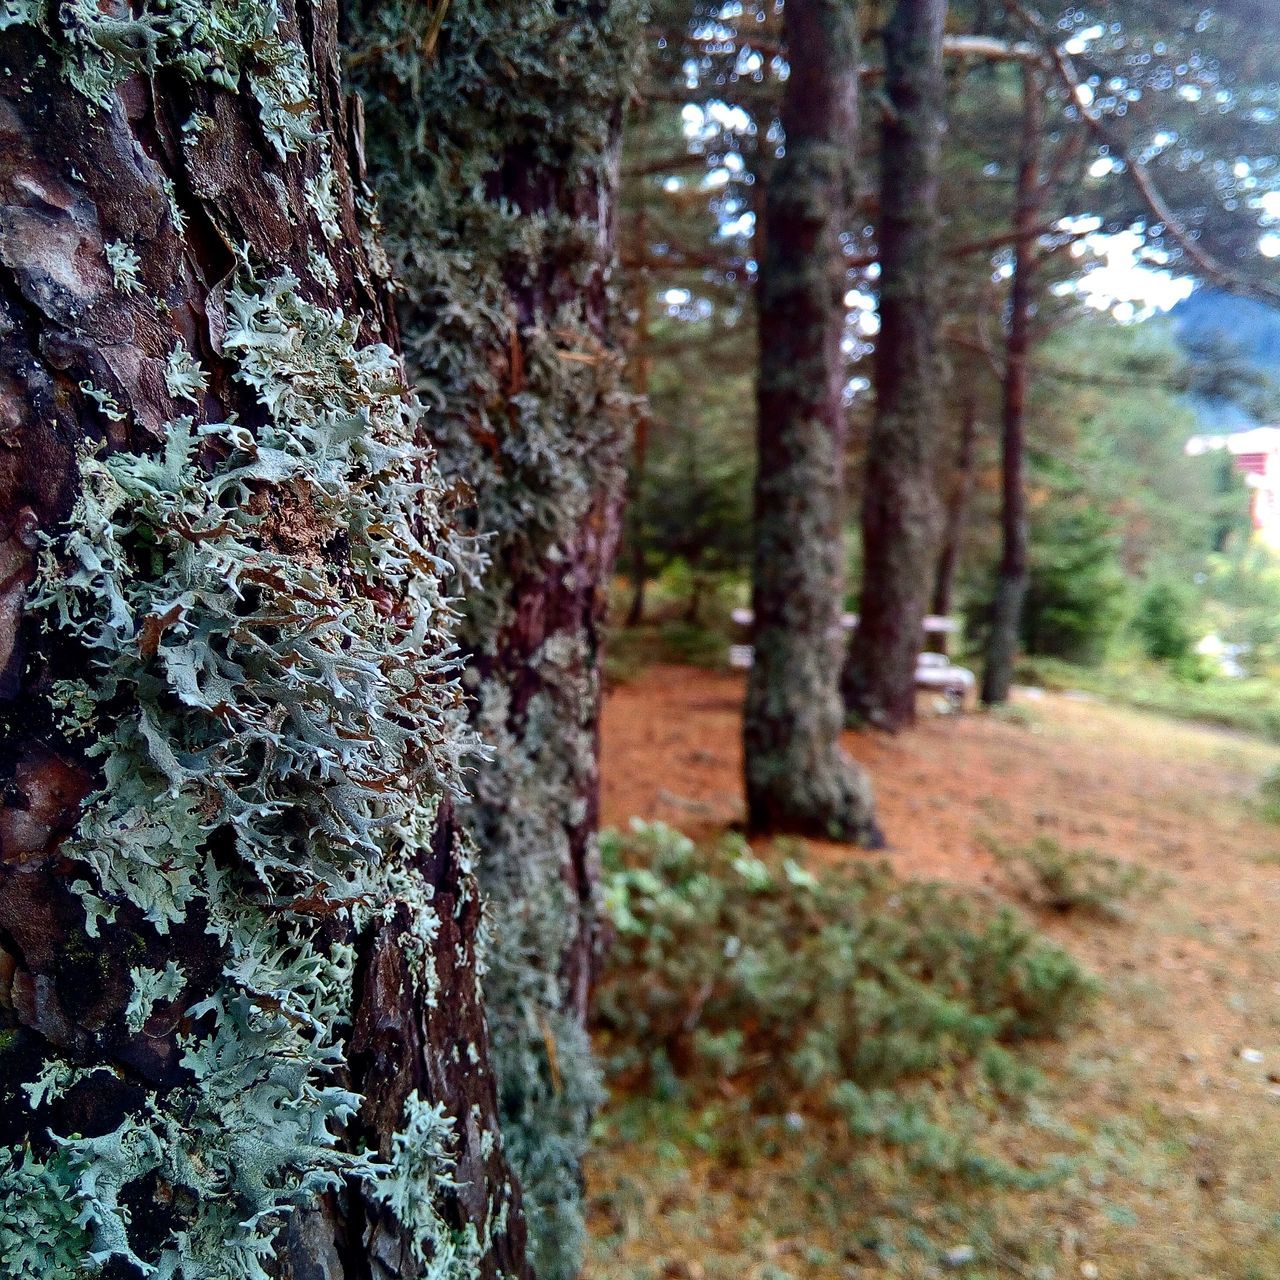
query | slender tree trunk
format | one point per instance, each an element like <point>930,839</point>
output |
<point>900,509</point>
<point>240,1023</point>
<point>641,368</point>
<point>957,517</point>
<point>797,778</point>
<point>496,165</point>
<point>1011,581</point>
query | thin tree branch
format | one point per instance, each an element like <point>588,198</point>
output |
<point>1210,267</point>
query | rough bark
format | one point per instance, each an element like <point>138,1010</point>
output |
<point>957,516</point>
<point>1011,578</point>
<point>225,1003</point>
<point>797,778</point>
<point>640,365</point>
<point>900,508</point>
<point>496,163</point>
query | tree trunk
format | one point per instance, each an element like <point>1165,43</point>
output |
<point>496,165</point>
<point>900,509</point>
<point>1011,581</point>
<point>797,778</point>
<point>641,365</point>
<point>957,517</point>
<point>240,1024</point>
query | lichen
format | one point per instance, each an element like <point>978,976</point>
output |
<point>151,986</point>
<point>40,1235</point>
<point>184,378</point>
<point>124,264</point>
<point>422,1151</point>
<point>492,161</point>
<point>322,200</point>
<point>220,42</point>
<point>298,711</point>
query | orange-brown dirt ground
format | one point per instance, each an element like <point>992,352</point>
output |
<point>1185,1049</point>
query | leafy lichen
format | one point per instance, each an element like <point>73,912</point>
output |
<point>492,162</point>
<point>284,691</point>
<point>124,264</point>
<point>220,42</point>
<point>184,379</point>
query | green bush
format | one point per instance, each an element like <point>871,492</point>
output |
<point>1269,796</point>
<point>792,988</point>
<point>1046,875</point>
<point>1163,623</point>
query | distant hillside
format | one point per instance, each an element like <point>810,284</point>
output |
<point>1252,327</point>
<point>1233,345</point>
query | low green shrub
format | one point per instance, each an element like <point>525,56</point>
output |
<point>1047,875</point>
<point>734,975</point>
<point>1164,622</point>
<point>1269,796</point>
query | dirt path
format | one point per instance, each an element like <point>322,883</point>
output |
<point>1179,1081</point>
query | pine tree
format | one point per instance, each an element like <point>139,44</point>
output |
<point>241,1031</point>
<point>797,778</point>
<point>493,145</point>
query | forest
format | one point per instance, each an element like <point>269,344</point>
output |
<point>639,640</point>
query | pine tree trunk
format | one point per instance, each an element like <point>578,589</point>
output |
<point>497,164</point>
<point>900,509</point>
<point>240,1025</point>
<point>797,778</point>
<point>641,364</point>
<point>1011,580</point>
<point>957,517</point>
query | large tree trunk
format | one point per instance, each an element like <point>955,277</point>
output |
<point>957,516</point>
<point>496,164</point>
<point>1011,579</point>
<point>797,778</point>
<point>240,1023</point>
<point>900,509</point>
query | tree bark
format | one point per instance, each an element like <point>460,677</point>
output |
<point>797,778</point>
<point>640,368</point>
<point>900,508</point>
<point>1011,580</point>
<point>497,166</point>
<point>241,1030</point>
<point>957,516</point>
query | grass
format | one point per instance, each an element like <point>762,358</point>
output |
<point>1250,705</point>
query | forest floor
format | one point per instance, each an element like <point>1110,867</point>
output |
<point>1168,1099</point>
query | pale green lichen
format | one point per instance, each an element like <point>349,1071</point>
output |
<point>176,215</point>
<point>423,1151</point>
<point>184,378</point>
<point>323,201</point>
<point>534,90</point>
<point>41,1236</point>
<point>261,694</point>
<point>124,264</point>
<point>106,402</point>
<point>150,987</point>
<point>321,270</point>
<point>221,42</point>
